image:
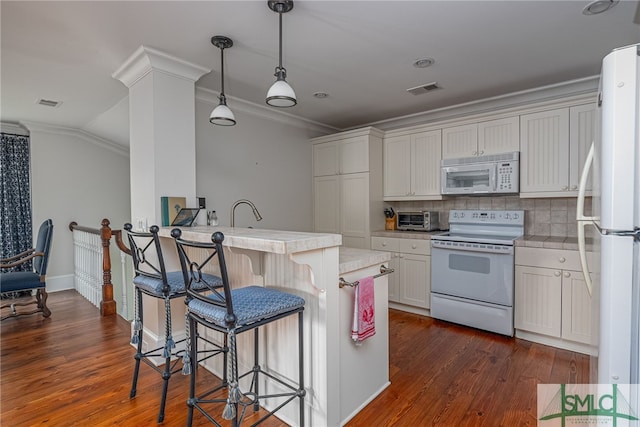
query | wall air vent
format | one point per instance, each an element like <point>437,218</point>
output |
<point>429,87</point>
<point>48,103</point>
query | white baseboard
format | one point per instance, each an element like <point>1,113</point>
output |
<point>410,309</point>
<point>60,283</point>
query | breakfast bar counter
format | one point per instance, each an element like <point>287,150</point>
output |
<point>340,377</point>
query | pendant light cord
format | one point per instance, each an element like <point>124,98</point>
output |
<point>222,71</point>
<point>280,37</point>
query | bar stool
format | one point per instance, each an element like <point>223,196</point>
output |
<point>232,312</point>
<point>151,278</point>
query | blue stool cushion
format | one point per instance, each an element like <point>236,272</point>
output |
<point>20,281</point>
<point>250,304</point>
<point>153,286</point>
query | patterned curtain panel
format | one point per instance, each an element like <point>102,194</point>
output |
<point>15,197</point>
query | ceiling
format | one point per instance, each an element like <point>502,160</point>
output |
<point>359,52</point>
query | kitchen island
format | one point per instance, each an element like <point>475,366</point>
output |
<point>340,377</point>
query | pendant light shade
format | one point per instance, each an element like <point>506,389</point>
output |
<point>222,115</point>
<point>281,94</point>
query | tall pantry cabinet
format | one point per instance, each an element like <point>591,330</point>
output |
<point>347,185</point>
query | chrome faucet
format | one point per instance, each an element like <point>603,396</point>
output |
<point>247,202</point>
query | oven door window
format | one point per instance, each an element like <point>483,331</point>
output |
<point>479,276</point>
<point>470,263</point>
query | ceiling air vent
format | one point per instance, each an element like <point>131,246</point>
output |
<point>48,103</point>
<point>429,87</point>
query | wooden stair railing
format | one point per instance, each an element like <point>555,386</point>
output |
<point>107,304</point>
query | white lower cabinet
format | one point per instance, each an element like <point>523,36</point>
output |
<point>410,284</point>
<point>552,304</point>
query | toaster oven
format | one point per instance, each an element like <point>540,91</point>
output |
<point>418,220</point>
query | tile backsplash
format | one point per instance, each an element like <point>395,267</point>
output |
<point>543,217</point>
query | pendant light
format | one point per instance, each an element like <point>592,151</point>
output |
<point>222,115</point>
<point>280,94</point>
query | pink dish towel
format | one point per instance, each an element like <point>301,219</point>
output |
<point>364,316</point>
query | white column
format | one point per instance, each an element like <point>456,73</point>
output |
<point>161,128</point>
<point>162,150</point>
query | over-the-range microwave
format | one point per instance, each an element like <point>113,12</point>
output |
<point>496,173</point>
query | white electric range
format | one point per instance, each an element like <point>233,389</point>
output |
<point>472,269</point>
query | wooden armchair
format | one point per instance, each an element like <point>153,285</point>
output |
<point>28,280</point>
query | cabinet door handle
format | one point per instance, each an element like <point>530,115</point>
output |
<point>574,187</point>
<point>414,246</point>
<point>565,188</point>
<point>401,256</point>
<point>567,274</point>
<point>475,153</point>
<point>481,152</point>
<point>557,273</point>
<point>561,259</point>
<point>384,243</point>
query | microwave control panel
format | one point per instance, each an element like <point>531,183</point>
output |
<point>507,178</point>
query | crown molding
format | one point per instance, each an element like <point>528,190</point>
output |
<point>146,59</point>
<point>263,111</point>
<point>14,128</point>
<point>514,100</point>
<point>78,133</point>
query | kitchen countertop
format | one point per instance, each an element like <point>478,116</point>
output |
<point>273,241</point>
<point>352,259</point>
<point>552,242</point>
<point>425,235</point>
<point>533,241</point>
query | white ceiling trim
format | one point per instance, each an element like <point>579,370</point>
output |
<point>145,59</point>
<point>84,135</point>
<point>13,128</point>
<point>512,100</point>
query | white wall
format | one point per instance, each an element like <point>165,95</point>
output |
<point>75,177</point>
<point>264,160</point>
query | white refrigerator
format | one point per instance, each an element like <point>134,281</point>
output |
<point>613,166</point>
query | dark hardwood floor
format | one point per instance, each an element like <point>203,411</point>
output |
<point>74,369</point>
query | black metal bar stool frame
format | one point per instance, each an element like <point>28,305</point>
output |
<point>151,278</point>
<point>216,312</point>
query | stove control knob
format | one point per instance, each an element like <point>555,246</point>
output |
<point>461,214</point>
<point>516,216</point>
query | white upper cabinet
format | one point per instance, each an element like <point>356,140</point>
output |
<point>460,141</point>
<point>426,152</point>
<point>412,166</point>
<point>582,119</point>
<point>350,155</point>
<point>354,155</point>
<point>325,159</point>
<point>397,166</point>
<point>499,136</point>
<point>553,146</point>
<point>544,146</point>
<point>480,139</point>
